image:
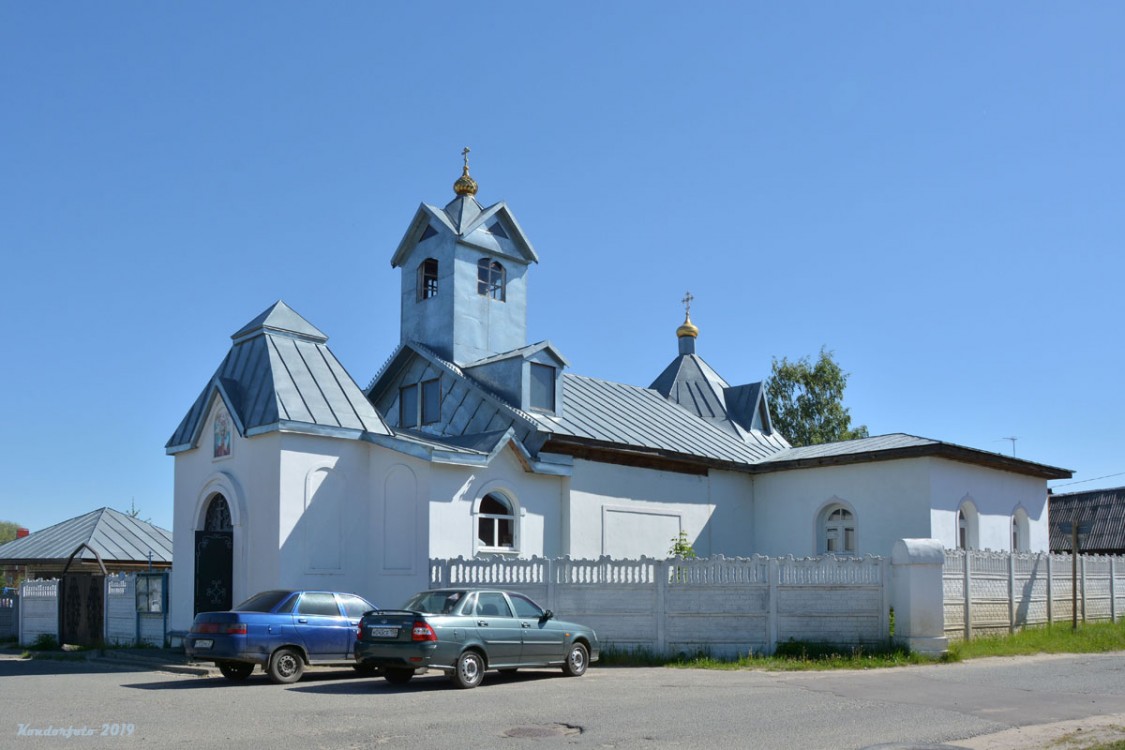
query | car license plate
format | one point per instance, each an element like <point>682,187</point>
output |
<point>383,632</point>
<point>204,643</point>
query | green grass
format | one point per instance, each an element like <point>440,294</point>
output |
<point>1093,637</point>
<point>795,655</point>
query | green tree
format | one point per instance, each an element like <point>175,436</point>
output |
<point>7,531</point>
<point>807,401</point>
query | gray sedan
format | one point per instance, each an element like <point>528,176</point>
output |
<point>467,631</point>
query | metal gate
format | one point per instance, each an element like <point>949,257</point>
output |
<point>81,614</point>
<point>214,568</point>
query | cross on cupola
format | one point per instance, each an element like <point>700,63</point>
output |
<point>688,332</point>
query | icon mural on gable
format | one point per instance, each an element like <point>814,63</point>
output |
<point>222,434</point>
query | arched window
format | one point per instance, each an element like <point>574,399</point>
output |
<point>838,535</point>
<point>1020,531</point>
<point>218,515</point>
<point>496,523</point>
<point>427,279</point>
<point>967,526</point>
<point>490,279</point>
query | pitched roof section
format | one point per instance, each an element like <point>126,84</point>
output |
<point>1103,510</point>
<point>898,445</point>
<point>614,414</point>
<point>116,536</point>
<point>740,410</point>
<point>280,374</point>
<point>467,220</point>
<point>281,318</point>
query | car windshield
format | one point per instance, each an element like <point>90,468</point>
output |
<point>263,602</point>
<point>434,602</point>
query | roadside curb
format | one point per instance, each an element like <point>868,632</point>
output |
<point>156,662</point>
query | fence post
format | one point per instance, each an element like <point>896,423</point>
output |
<point>1082,583</point>
<point>968,598</point>
<point>1050,593</point>
<point>1113,588</point>
<point>549,572</point>
<point>1011,592</point>
<point>918,595</point>
<point>885,579</point>
<point>771,619</point>
<point>659,609</point>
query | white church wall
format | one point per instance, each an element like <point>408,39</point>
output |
<point>247,476</point>
<point>457,490</point>
<point>321,512</point>
<point>395,523</point>
<point>629,512</point>
<point>890,501</point>
<point>994,496</point>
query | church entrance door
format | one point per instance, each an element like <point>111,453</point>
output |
<point>214,559</point>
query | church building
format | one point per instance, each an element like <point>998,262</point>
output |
<point>473,442</point>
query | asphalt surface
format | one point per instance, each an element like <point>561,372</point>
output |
<point>988,704</point>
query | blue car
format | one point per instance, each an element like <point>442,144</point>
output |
<point>283,631</point>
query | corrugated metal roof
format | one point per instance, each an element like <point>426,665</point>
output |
<point>1104,510</point>
<point>280,370</point>
<point>116,536</point>
<point>638,417</point>
<point>898,445</point>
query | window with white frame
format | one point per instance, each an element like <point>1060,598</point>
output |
<point>839,531</point>
<point>496,523</point>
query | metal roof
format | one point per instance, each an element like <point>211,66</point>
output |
<point>693,384</point>
<point>278,373</point>
<point>631,416</point>
<point>898,445</point>
<point>116,536</point>
<point>1103,510</point>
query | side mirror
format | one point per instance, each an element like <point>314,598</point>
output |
<point>547,615</point>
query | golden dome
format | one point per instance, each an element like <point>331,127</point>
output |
<point>687,329</point>
<point>465,184</point>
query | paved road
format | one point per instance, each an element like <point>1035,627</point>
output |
<point>608,708</point>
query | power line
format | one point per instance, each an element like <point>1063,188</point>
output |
<point>1083,481</point>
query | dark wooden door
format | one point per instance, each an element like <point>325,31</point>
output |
<point>81,614</point>
<point>214,558</point>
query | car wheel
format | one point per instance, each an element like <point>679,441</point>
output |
<point>235,670</point>
<point>366,670</point>
<point>286,666</point>
<point>576,661</point>
<point>398,676</point>
<point>469,670</point>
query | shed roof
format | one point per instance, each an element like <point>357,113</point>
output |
<point>117,537</point>
<point>1104,510</point>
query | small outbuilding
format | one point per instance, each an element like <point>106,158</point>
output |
<point>1102,512</point>
<point>81,552</point>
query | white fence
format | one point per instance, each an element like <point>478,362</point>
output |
<point>135,609</point>
<point>722,606</point>
<point>39,610</point>
<point>993,592</point>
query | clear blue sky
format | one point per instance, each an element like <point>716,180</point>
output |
<point>934,191</point>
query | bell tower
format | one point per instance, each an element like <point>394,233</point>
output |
<point>464,277</point>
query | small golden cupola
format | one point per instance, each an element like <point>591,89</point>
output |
<point>688,332</point>
<point>465,184</point>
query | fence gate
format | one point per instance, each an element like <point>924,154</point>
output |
<point>81,613</point>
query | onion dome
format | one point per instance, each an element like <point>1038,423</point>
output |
<point>688,329</point>
<point>465,185</point>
